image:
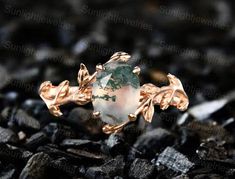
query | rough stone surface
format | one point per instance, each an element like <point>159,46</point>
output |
<point>26,121</point>
<point>36,140</point>
<point>35,168</point>
<point>114,166</point>
<point>7,135</point>
<point>153,141</point>
<point>174,160</point>
<point>141,169</point>
<point>8,173</point>
<point>95,172</point>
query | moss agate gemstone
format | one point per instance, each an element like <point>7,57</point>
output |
<point>116,92</point>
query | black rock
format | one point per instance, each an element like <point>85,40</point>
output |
<point>57,132</point>
<point>183,176</point>
<point>8,173</point>
<point>185,142</point>
<point>6,112</point>
<point>4,77</point>
<point>33,105</point>
<point>208,176</point>
<point>114,144</point>
<point>11,153</point>
<point>26,121</point>
<point>8,136</point>
<point>3,121</point>
<point>86,154</point>
<point>95,172</point>
<point>36,140</point>
<point>114,167</point>
<point>36,166</point>
<point>53,151</point>
<point>210,129</point>
<point>11,97</point>
<point>83,119</point>
<point>203,111</point>
<point>211,150</point>
<point>174,160</point>
<point>79,143</point>
<point>118,177</point>
<point>225,167</point>
<point>63,165</point>
<point>149,143</point>
<point>141,169</point>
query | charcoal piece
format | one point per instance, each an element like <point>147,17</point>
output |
<point>33,105</point>
<point>149,143</point>
<point>114,166</point>
<point>36,166</point>
<point>114,139</point>
<point>184,119</point>
<point>185,142</point>
<point>3,121</point>
<point>141,169</point>
<point>57,132</point>
<point>8,136</point>
<point>26,121</point>
<point>62,164</point>
<point>4,77</point>
<point>210,129</point>
<point>21,136</point>
<point>182,176</point>
<point>26,74</point>
<point>8,172</point>
<point>208,176</point>
<point>53,151</point>
<point>5,114</point>
<point>36,140</point>
<point>205,110</point>
<point>79,143</point>
<point>212,149</point>
<point>11,153</point>
<point>118,177</point>
<point>219,166</point>
<point>174,160</point>
<point>95,172</point>
<point>87,154</point>
<point>83,118</point>
<point>131,132</point>
<point>114,144</point>
<point>11,97</point>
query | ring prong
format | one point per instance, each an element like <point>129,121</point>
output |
<point>99,67</point>
<point>96,114</point>
<point>136,70</point>
<point>132,117</point>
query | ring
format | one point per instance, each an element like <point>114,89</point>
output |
<point>115,92</point>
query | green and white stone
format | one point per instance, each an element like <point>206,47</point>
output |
<point>116,92</point>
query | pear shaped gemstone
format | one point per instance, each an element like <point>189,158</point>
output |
<point>116,92</point>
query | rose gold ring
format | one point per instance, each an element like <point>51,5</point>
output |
<point>116,94</point>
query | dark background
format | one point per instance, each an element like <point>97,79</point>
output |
<point>47,40</point>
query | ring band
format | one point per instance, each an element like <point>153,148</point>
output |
<point>113,89</point>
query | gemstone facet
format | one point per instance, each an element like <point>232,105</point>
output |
<point>116,92</point>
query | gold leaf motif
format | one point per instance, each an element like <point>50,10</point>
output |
<point>149,89</point>
<point>63,89</point>
<point>83,75</point>
<point>172,95</point>
<point>55,110</point>
<point>119,56</point>
<point>148,112</point>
